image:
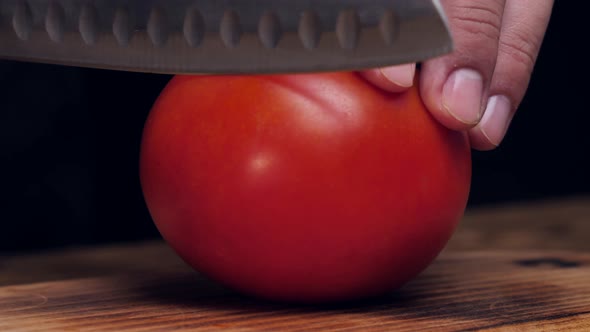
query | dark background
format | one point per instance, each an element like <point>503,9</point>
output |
<point>69,141</point>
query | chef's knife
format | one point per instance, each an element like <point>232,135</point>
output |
<point>223,36</point>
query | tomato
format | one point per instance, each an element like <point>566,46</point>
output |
<point>303,188</point>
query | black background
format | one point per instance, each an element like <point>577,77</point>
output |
<point>69,141</point>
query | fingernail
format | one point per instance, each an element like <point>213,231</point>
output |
<point>402,75</point>
<point>496,119</point>
<point>462,96</point>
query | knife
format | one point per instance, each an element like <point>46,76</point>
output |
<point>223,36</point>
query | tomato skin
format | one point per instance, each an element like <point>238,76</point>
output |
<point>303,188</point>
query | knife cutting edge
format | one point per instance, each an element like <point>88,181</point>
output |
<point>231,36</point>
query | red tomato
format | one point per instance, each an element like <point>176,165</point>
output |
<point>310,187</point>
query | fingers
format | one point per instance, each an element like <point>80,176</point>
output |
<point>394,79</point>
<point>455,87</point>
<point>480,85</point>
<point>523,29</point>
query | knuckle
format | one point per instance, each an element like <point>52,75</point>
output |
<point>520,47</point>
<point>477,18</point>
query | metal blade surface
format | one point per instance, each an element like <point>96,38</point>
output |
<point>217,36</point>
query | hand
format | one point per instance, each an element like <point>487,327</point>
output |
<point>480,85</point>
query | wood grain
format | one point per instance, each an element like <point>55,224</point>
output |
<point>523,267</point>
<point>480,291</point>
<point>542,225</point>
<point>558,224</point>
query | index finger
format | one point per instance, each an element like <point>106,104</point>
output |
<point>393,79</point>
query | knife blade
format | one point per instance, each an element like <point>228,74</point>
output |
<point>223,36</point>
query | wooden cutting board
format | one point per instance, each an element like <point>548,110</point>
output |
<point>461,291</point>
<point>523,267</point>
